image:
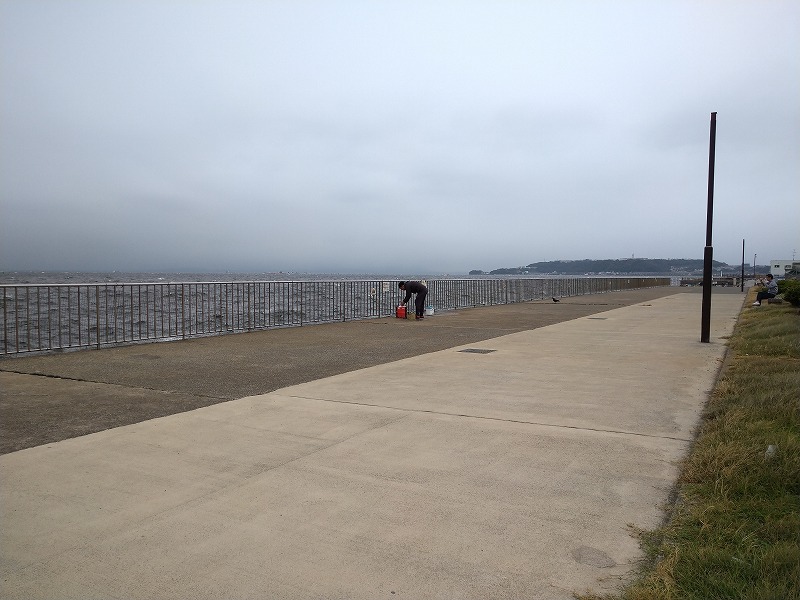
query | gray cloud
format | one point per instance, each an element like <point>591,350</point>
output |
<point>369,137</point>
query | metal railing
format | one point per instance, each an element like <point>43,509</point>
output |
<point>37,318</point>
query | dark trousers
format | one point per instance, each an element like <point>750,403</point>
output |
<point>419,303</point>
<point>763,296</point>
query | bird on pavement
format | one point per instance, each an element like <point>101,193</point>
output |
<point>555,299</point>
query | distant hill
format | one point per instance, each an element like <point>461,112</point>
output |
<point>627,266</point>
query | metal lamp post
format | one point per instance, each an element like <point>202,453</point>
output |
<point>742,281</point>
<point>708,255</point>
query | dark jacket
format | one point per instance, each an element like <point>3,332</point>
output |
<point>414,287</point>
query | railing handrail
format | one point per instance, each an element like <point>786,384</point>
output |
<point>343,280</point>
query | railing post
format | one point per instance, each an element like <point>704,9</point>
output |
<point>182,311</point>
<point>97,312</point>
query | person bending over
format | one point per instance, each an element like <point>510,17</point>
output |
<point>770,291</point>
<point>415,287</point>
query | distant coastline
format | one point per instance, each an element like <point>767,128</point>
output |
<point>646,267</point>
<point>621,266</point>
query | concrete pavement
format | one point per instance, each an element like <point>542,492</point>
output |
<point>62,395</point>
<point>509,468</point>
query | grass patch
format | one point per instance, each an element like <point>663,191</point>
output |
<point>734,530</point>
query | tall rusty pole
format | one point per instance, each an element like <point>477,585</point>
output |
<point>705,329</point>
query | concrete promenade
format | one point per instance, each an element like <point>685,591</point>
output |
<point>510,465</point>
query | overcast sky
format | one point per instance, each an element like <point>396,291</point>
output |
<point>347,136</point>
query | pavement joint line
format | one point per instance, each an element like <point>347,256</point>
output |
<point>512,330</point>
<point>122,385</point>
<point>228,485</point>
<point>498,419</point>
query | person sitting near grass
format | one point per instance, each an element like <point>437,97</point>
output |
<point>770,291</point>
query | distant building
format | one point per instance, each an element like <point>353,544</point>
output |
<point>779,268</point>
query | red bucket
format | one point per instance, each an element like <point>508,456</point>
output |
<point>401,312</point>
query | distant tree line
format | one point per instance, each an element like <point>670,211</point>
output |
<point>608,266</point>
